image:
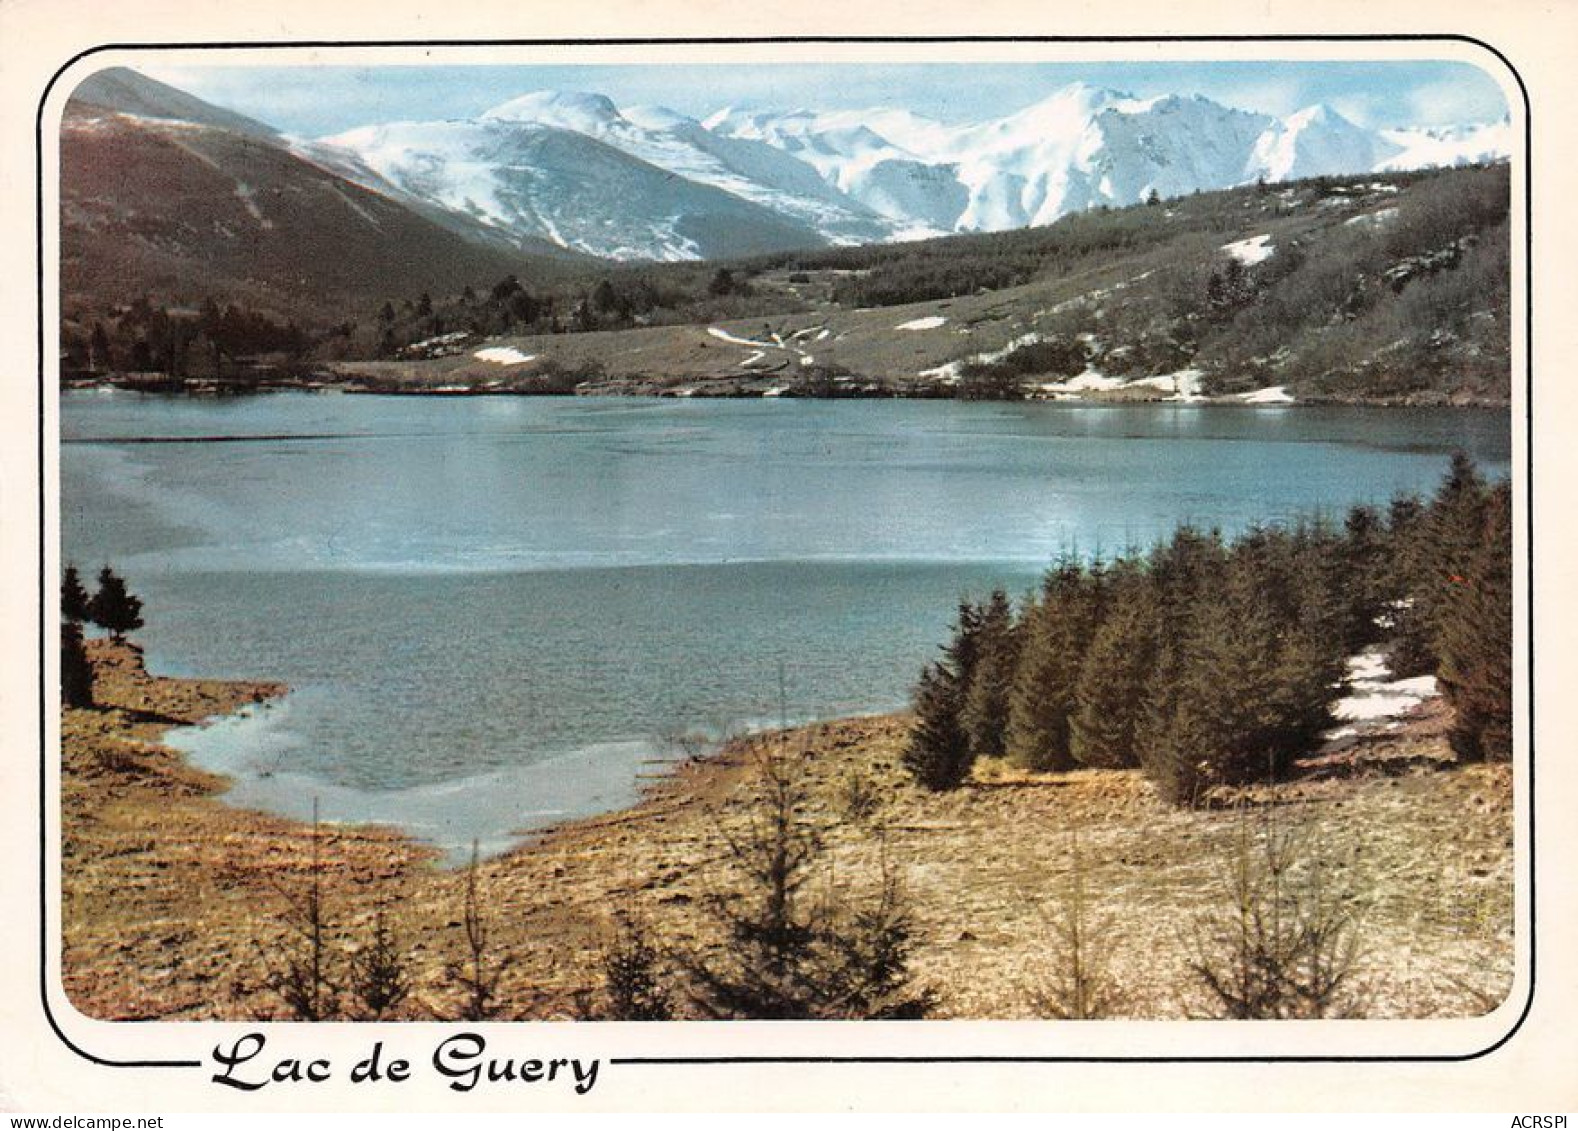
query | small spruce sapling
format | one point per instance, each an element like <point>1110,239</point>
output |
<point>378,978</point>
<point>633,977</point>
<point>303,977</point>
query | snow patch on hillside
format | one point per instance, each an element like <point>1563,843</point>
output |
<point>1183,385</point>
<point>778,342</point>
<point>1256,249</point>
<point>1375,701</point>
<point>248,197</point>
<point>1090,381</point>
<point>930,323</point>
<point>1374,219</point>
<point>504,355</point>
<point>950,371</point>
<point>724,335</point>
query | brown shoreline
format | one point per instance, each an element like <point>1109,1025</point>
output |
<point>368,379</point>
<point>175,904</point>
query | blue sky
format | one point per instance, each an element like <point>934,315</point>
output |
<point>317,100</point>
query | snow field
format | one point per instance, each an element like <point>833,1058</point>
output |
<point>504,355</point>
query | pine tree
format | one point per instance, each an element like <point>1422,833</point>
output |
<point>1457,516</point>
<point>633,988</point>
<point>605,300</point>
<point>1214,736</point>
<point>479,973</point>
<point>1286,942</point>
<point>209,319</point>
<point>1439,548</point>
<point>581,317</point>
<point>1179,572</point>
<point>76,672</point>
<point>1239,709</point>
<point>1309,667</point>
<point>1359,565</point>
<point>1057,632</point>
<point>113,608</point>
<point>1476,641</point>
<point>1411,650</point>
<point>1301,580</point>
<point>1329,617</point>
<point>938,754</point>
<point>74,600</point>
<point>522,308</point>
<point>1113,690</point>
<point>1079,985</point>
<point>867,959</point>
<point>996,654</point>
<point>964,648</point>
<point>301,967</point>
<point>770,932</point>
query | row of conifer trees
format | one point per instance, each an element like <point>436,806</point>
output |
<point>1210,662</point>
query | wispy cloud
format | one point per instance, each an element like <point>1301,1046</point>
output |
<point>1449,102</point>
<point>1278,96</point>
<point>1362,109</point>
<point>330,98</point>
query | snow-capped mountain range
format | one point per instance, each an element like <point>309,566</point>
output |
<point>643,182</point>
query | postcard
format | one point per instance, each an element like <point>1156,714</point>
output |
<point>789,560</point>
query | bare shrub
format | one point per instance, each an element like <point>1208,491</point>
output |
<point>859,799</point>
<point>299,970</point>
<point>478,974</point>
<point>1079,985</point>
<point>1288,941</point>
<point>786,955</point>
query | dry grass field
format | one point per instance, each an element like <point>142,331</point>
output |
<point>177,906</point>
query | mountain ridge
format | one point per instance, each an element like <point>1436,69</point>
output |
<point>572,172</point>
<point>888,173</point>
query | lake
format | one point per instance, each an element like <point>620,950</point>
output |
<point>496,612</point>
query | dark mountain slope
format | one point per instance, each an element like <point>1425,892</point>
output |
<point>121,90</point>
<point>165,196</point>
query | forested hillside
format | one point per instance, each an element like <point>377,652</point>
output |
<point>1393,288</point>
